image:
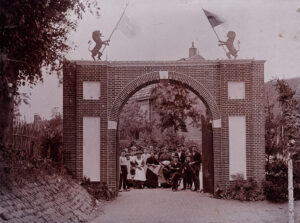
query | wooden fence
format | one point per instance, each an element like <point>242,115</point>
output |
<point>25,138</point>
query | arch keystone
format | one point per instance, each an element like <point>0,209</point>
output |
<point>163,75</point>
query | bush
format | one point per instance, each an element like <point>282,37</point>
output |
<point>98,190</point>
<point>51,139</point>
<point>243,190</point>
<point>276,181</point>
<point>276,186</point>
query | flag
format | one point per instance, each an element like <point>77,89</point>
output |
<point>127,27</point>
<point>213,19</point>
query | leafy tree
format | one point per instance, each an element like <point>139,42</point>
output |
<point>33,35</point>
<point>282,132</point>
<point>290,119</point>
<point>133,121</point>
<point>175,105</point>
<point>51,138</point>
<point>271,133</point>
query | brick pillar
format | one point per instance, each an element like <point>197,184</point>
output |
<point>111,177</point>
<point>69,116</point>
<point>258,121</point>
<point>217,157</point>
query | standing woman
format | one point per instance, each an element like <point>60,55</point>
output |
<point>140,176</point>
<point>152,171</point>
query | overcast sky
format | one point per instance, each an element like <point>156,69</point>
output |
<point>164,30</point>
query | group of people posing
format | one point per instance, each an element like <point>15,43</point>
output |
<point>154,169</point>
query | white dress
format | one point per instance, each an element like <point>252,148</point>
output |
<point>139,170</point>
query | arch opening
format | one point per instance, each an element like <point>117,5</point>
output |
<point>205,97</point>
<point>153,78</point>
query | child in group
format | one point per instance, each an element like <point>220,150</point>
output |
<point>187,173</point>
<point>123,171</point>
<point>130,176</point>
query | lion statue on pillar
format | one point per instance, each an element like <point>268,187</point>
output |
<point>96,51</point>
<point>229,45</point>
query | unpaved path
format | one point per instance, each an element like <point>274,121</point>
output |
<point>164,206</point>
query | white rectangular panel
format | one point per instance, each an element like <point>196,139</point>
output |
<point>91,148</point>
<point>236,90</point>
<point>163,75</point>
<point>217,123</point>
<point>91,90</point>
<point>237,146</point>
<point>112,125</point>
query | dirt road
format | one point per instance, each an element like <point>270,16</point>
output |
<point>164,206</point>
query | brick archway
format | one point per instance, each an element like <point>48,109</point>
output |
<point>154,77</point>
<point>175,78</point>
<point>95,92</point>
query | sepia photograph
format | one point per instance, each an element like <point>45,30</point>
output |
<point>150,111</point>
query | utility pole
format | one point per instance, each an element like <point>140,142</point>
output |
<point>291,191</point>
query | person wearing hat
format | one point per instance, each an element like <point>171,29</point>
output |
<point>175,172</point>
<point>140,176</point>
<point>196,162</point>
<point>181,153</point>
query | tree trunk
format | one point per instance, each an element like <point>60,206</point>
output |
<point>7,92</point>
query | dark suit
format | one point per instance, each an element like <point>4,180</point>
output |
<point>187,175</point>
<point>176,174</point>
<point>182,157</point>
<point>196,158</point>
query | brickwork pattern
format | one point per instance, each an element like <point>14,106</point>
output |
<point>69,116</point>
<point>207,79</point>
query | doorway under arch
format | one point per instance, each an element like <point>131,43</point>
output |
<point>199,90</point>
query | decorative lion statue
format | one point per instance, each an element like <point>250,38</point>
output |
<point>229,44</point>
<point>99,43</point>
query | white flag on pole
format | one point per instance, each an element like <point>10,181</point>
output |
<point>129,29</point>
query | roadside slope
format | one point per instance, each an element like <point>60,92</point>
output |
<point>40,197</point>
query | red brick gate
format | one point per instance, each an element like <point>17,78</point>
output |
<point>95,92</point>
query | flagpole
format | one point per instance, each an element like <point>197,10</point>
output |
<point>116,26</point>
<point>219,39</point>
<point>215,32</point>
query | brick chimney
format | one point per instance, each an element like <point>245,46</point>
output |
<point>192,50</point>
